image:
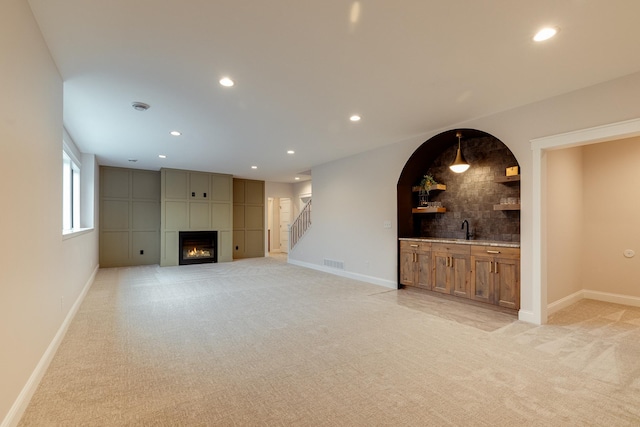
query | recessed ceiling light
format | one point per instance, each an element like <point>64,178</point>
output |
<point>226,82</point>
<point>545,34</point>
<point>355,118</point>
<point>140,106</point>
<point>254,167</point>
<point>175,133</point>
<point>297,178</point>
<point>291,152</point>
<point>162,156</point>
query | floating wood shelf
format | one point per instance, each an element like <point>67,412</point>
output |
<point>502,207</point>
<point>442,187</point>
<point>507,179</point>
<point>428,210</point>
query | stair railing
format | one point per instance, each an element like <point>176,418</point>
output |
<point>300,225</point>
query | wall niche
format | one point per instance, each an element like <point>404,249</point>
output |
<point>470,195</point>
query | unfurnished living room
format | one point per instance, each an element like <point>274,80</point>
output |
<point>320,213</point>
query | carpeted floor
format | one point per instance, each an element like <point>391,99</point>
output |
<point>263,343</point>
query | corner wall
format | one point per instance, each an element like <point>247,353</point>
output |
<point>36,297</point>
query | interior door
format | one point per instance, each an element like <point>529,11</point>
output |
<point>285,220</point>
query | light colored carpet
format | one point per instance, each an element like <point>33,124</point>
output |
<point>262,343</point>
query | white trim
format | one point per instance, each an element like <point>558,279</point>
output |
<point>20,405</point>
<point>355,276</point>
<point>607,132</point>
<point>526,316</point>
<point>594,295</point>
<point>614,298</point>
<point>68,234</point>
<point>565,302</point>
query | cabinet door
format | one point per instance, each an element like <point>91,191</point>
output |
<point>406,266</point>
<point>459,265</point>
<point>482,279</point>
<point>507,277</point>
<point>199,186</point>
<point>423,268</point>
<point>440,263</point>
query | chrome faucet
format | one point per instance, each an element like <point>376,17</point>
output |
<point>468,235</point>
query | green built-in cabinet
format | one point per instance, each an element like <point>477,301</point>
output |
<point>248,218</point>
<point>129,217</point>
<point>195,201</point>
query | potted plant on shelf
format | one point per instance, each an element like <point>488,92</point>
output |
<point>425,185</point>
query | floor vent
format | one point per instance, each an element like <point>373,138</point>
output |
<point>334,264</point>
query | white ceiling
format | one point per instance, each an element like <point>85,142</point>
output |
<point>302,67</point>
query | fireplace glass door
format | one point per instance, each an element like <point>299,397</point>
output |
<point>198,247</point>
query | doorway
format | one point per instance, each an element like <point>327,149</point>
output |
<point>285,220</point>
<point>540,147</point>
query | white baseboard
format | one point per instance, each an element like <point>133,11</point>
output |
<point>565,302</point>
<point>595,295</point>
<point>527,316</point>
<point>20,405</point>
<point>614,298</point>
<point>349,275</point>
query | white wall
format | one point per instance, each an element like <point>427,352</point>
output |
<point>353,196</point>
<point>42,274</point>
<point>300,189</point>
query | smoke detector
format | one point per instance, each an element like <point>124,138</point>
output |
<point>140,106</point>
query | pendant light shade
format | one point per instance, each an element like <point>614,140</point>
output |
<point>459,165</point>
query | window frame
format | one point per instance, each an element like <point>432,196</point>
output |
<point>71,169</point>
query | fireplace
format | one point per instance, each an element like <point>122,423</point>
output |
<point>197,247</point>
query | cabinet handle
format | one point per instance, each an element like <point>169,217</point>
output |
<point>493,252</point>
<point>490,266</point>
<point>414,246</point>
<point>495,268</point>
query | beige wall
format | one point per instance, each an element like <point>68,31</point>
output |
<point>565,222</point>
<point>611,217</point>
<point>41,274</point>
<point>592,218</point>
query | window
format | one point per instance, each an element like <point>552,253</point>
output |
<point>70,193</point>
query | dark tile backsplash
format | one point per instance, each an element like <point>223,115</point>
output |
<point>472,194</point>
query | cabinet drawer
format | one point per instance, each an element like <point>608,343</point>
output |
<point>495,251</point>
<point>451,248</point>
<point>414,246</point>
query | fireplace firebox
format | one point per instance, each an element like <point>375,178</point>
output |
<point>197,247</point>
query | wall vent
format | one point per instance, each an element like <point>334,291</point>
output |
<point>334,264</point>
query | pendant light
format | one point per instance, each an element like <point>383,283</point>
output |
<point>459,165</point>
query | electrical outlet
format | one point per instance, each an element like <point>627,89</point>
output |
<point>386,224</point>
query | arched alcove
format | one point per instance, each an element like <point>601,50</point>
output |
<point>471,195</point>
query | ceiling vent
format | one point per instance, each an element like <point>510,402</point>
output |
<point>140,106</point>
